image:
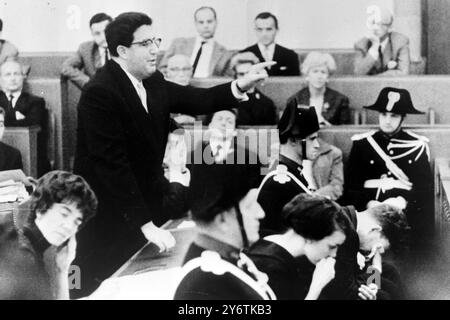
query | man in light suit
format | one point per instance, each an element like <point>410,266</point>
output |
<point>91,55</point>
<point>383,52</point>
<point>266,28</point>
<point>208,57</point>
<point>123,125</point>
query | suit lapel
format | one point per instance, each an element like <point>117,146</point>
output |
<point>21,103</point>
<point>133,102</point>
<point>216,54</point>
<point>96,57</point>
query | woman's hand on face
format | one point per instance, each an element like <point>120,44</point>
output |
<point>65,254</point>
<point>324,272</point>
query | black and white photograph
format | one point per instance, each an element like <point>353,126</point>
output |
<point>235,151</point>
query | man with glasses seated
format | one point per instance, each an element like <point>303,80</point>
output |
<point>123,125</point>
<point>179,70</point>
<point>383,51</point>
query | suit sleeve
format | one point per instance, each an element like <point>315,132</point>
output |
<point>197,101</point>
<point>294,65</point>
<point>36,115</point>
<point>403,62</point>
<point>344,111</point>
<point>363,60</point>
<point>72,69</point>
<point>106,144</point>
<point>334,188</point>
<point>18,161</point>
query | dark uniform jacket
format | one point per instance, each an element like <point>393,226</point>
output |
<point>10,158</point>
<point>335,105</point>
<point>287,60</point>
<point>413,159</point>
<point>120,149</point>
<point>33,109</point>
<point>259,110</point>
<point>276,192</point>
<point>211,272</point>
<point>286,277</point>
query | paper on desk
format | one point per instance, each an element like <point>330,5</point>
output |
<point>15,175</point>
<point>153,285</point>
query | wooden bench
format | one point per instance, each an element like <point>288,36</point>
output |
<point>25,140</point>
<point>426,92</point>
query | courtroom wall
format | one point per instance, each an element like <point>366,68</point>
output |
<point>60,25</point>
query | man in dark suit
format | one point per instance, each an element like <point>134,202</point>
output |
<point>91,55</point>
<point>10,157</point>
<point>24,109</point>
<point>266,27</point>
<point>123,124</point>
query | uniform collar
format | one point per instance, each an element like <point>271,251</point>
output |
<point>290,164</point>
<point>226,251</point>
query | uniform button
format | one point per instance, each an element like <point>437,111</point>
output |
<point>372,162</point>
<point>391,152</point>
<point>389,173</point>
<point>410,161</point>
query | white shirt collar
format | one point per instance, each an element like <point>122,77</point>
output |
<point>384,43</point>
<point>138,86</point>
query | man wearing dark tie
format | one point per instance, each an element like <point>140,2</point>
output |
<point>208,57</point>
<point>24,109</point>
<point>266,28</point>
<point>123,125</point>
<point>91,55</point>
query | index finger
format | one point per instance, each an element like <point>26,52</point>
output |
<point>265,64</point>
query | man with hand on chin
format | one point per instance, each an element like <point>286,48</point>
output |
<point>123,125</point>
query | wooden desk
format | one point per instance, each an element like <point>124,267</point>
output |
<point>25,140</point>
<point>149,259</point>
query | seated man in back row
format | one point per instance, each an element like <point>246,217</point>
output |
<point>24,109</point>
<point>383,52</point>
<point>266,28</point>
<point>393,163</point>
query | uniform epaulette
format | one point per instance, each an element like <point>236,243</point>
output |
<point>417,136</point>
<point>363,135</point>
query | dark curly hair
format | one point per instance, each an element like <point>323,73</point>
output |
<point>63,187</point>
<point>314,217</point>
<point>395,225</point>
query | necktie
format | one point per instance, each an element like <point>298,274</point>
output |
<point>142,95</point>
<point>106,55</point>
<point>380,56</point>
<point>10,115</point>
<point>197,57</point>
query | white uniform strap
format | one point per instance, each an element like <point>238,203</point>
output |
<point>211,261</point>
<point>282,175</point>
<point>399,174</point>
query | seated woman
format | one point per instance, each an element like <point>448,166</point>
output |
<point>315,230</point>
<point>37,241</point>
<point>331,106</point>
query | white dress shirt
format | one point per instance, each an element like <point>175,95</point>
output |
<point>142,93</point>
<point>267,52</point>
<point>374,51</point>
<point>202,70</point>
<point>15,95</point>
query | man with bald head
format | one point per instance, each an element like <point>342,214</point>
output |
<point>382,52</point>
<point>206,56</point>
<point>23,109</point>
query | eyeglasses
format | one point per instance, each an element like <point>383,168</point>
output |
<point>147,43</point>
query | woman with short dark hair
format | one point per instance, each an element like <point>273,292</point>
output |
<point>37,241</point>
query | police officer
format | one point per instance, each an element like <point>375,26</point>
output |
<point>298,133</point>
<point>392,163</point>
<point>227,215</point>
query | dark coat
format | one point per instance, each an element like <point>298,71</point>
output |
<point>120,149</point>
<point>364,164</point>
<point>201,284</point>
<point>33,108</point>
<point>10,158</point>
<point>337,112</point>
<point>287,280</point>
<point>273,196</point>
<point>287,61</point>
<point>259,110</point>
